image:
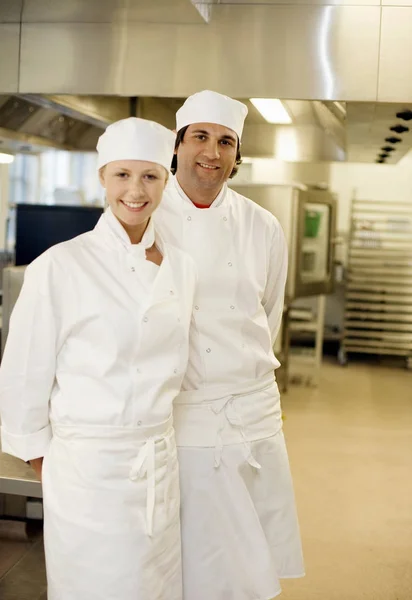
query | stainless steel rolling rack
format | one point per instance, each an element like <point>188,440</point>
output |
<point>378,298</point>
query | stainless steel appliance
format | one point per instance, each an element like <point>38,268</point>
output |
<point>12,283</point>
<point>308,219</point>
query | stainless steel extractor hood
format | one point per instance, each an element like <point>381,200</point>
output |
<point>30,123</point>
<point>321,131</point>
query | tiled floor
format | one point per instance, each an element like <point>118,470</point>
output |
<point>350,446</point>
<point>22,572</point>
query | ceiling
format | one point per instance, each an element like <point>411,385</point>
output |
<point>32,123</point>
<point>369,129</point>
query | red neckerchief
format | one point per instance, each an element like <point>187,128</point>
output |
<point>200,205</point>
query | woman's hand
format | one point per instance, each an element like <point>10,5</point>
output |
<point>37,464</point>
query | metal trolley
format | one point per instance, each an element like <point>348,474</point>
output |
<point>378,299</point>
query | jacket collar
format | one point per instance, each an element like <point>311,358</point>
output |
<point>109,225</point>
<point>220,200</point>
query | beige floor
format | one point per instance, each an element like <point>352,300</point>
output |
<point>350,447</point>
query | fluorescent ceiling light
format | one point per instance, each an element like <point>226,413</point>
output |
<point>272,110</point>
<point>6,159</point>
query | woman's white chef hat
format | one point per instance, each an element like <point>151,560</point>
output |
<point>211,107</point>
<point>136,139</point>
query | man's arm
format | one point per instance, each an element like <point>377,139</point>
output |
<point>274,295</point>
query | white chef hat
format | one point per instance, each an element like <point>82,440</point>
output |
<point>211,107</point>
<point>136,139</point>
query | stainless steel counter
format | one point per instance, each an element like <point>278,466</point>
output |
<point>18,478</point>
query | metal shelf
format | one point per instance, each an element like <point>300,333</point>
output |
<point>373,279</point>
<point>303,358</point>
<point>378,299</point>
<point>378,316</point>
<point>374,286</point>
<point>401,265</point>
<point>395,299</point>
<point>311,326</point>
<point>391,254</point>
<point>351,325</point>
<point>380,307</point>
<point>376,344</point>
<point>390,336</point>
<point>386,351</point>
<point>18,478</point>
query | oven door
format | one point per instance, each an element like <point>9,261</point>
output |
<point>314,243</point>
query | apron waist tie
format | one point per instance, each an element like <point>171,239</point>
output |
<point>144,465</point>
<point>229,413</point>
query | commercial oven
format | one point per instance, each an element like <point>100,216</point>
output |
<point>308,219</point>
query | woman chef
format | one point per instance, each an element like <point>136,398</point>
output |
<point>97,349</point>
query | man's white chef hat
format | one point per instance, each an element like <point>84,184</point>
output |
<point>211,107</point>
<point>136,139</point>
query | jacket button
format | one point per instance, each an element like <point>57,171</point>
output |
<point>133,269</point>
<point>171,292</point>
<point>175,371</point>
<point>145,319</point>
<point>139,423</point>
<point>230,264</point>
<point>232,307</point>
<point>225,218</point>
<point>196,307</point>
<point>189,218</point>
<point>208,350</point>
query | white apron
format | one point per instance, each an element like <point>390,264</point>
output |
<point>111,500</point>
<point>240,531</point>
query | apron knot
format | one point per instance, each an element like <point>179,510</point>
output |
<point>145,465</point>
<point>226,408</point>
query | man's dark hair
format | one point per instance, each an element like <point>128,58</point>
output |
<point>179,139</point>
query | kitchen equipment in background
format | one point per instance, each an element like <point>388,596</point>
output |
<point>306,323</point>
<point>308,219</point>
<point>378,296</point>
<point>40,226</point>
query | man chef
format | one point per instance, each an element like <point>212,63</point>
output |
<point>240,531</point>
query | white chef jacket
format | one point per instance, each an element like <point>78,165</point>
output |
<point>98,336</point>
<point>241,255</point>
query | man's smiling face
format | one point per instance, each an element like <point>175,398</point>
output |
<point>206,156</point>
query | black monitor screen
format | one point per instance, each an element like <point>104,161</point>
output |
<point>39,226</point>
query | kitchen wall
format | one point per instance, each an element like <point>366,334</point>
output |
<point>372,182</point>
